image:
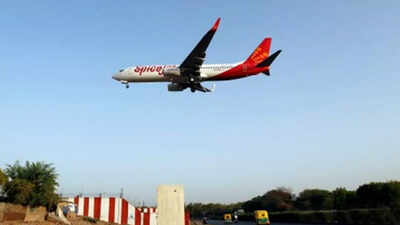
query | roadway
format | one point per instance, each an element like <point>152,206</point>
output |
<point>221,222</point>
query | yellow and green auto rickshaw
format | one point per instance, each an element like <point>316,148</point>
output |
<point>261,217</point>
<point>228,218</point>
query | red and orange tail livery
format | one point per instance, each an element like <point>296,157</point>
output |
<point>260,53</point>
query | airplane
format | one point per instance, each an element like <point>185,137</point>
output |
<point>191,72</point>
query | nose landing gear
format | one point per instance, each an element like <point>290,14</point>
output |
<point>126,83</point>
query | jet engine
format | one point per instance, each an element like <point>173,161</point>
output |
<point>176,87</point>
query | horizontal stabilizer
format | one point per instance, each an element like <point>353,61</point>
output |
<point>268,61</point>
<point>266,72</point>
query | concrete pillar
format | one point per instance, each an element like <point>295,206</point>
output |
<point>170,205</point>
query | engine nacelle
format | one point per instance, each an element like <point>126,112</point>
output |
<point>175,87</point>
<point>172,72</point>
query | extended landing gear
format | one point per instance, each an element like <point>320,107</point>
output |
<point>126,83</point>
<point>198,87</point>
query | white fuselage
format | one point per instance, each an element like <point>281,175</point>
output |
<point>154,73</point>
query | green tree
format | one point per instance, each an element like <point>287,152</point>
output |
<point>379,194</point>
<point>371,195</point>
<point>352,200</point>
<point>3,181</point>
<point>212,210</point>
<point>279,199</point>
<point>253,204</point>
<point>344,199</point>
<point>315,199</point>
<point>339,198</point>
<point>3,178</point>
<point>33,184</point>
<point>19,191</point>
<point>391,192</point>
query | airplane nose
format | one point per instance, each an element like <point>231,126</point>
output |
<point>116,76</point>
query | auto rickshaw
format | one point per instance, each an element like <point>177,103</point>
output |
<point>261,217</point>
<point>205,220</point>
<point>235,218</point>
<point>227,218</point>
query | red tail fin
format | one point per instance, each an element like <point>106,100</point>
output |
<point>260,53</point>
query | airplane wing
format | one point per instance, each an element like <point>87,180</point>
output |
<point>191,65</point>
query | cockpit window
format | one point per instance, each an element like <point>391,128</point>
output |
<point>121,70</point>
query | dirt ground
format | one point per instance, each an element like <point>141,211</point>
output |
<point>75,221</point>
<point>18,222</point>
<point>13,212</point>
<point>80,221</point>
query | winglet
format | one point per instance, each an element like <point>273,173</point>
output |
<point>215,27</point>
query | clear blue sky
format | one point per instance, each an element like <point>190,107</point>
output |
<point>328,116</point>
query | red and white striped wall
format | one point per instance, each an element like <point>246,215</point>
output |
<point>116,210</point>
<point>145,216</point>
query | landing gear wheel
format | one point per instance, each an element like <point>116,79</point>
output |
<point>192,90</point>
<point>127,85</point>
